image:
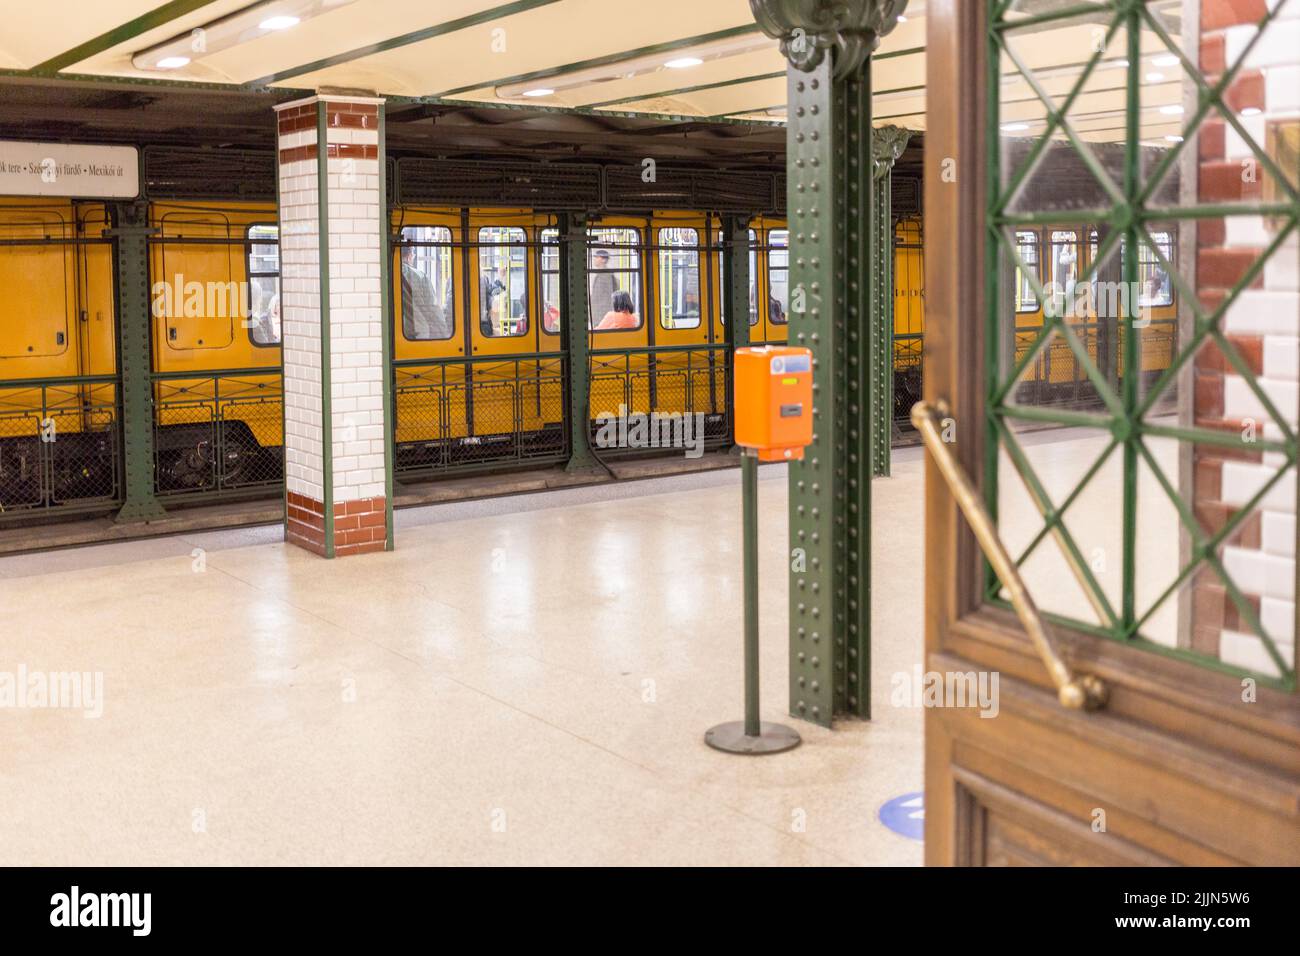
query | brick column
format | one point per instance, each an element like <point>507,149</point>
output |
<point>1263,324</point>
<point>338,461</point>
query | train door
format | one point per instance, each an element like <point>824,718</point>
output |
<point>619,306</point>
<point>1127,573</point>
<point>503,331</point>
<point>683,306</point>
<point>777,255</point>
<point>218,394</point>
<point>58,397</point>
<point>430,339</point>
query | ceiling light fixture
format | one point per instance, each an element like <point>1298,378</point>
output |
<point>1251,111</point>
<point>1014,127</point>
<point>1155,77</point>
<point>640,66</point>
<point>251,23</point>
<point>283,22</point>
<point>1174,110</point>
<point>1165,61</point>
<point>539,91</point>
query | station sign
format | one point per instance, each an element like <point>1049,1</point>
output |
<point>69,170</point>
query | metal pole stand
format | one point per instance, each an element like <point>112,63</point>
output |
<point>751,736</point>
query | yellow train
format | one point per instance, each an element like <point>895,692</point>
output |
<point>480,367</point>
<point>1061,259</point>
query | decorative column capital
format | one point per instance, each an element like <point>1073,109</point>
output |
<point>887,145</point>
<point>808,28</point>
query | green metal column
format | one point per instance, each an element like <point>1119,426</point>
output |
<point>131,257</point>
<point>831,245</point>
<point>735,293</point>
<point>735,279</point>
<point>887,145</point>
<point>573,293</point>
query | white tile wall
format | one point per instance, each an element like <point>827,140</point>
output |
<point>354,217</point>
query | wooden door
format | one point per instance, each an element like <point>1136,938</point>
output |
<point>1152,519</point>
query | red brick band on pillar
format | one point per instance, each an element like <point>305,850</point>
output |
<point>1263,324</point>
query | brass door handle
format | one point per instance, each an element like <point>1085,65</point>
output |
<point>1082,692</point>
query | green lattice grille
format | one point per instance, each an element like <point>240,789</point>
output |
<point>1102,206</point>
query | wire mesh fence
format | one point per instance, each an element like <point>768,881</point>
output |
<point>60,445</point>
<point>629,386</point>
<point>465,414</point>
<point>219,434</point>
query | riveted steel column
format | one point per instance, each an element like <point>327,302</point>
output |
<point>881,327</point>
<point>735,282</point>
<point>832,241</point>
<point>573,293</point>
<point>131,258</point>
<point>887,145</point>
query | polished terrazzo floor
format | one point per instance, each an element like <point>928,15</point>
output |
<point>522,681</point>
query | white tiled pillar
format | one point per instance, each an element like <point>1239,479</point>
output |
<point>338,465</point>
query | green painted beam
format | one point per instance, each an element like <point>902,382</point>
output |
<point>406,39</point>
<point>158,17</point>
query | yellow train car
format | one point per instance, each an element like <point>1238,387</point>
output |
<point>479,368</point>
<point>1061,260</point>
<point>58,402</point>
<point>655,322</point>
<point>215,315</point>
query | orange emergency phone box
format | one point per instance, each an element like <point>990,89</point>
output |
<point>774,400</point>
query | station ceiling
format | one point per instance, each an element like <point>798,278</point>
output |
<point>701,60</point>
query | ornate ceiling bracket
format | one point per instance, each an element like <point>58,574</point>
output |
<point>887,145</point>
<point>808,28</point>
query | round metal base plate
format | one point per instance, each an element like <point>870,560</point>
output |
<point>771,739</point>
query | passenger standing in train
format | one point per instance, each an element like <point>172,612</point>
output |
<point>603,284</point>
<point>422,317</point>
<point>621,316</point>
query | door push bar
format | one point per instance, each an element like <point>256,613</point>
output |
<point>1082,692</point>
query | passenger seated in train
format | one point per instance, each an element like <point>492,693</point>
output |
<point>422,316</point>
<point>551,318</point>
<point>775,311</point>
<point>621,316</point>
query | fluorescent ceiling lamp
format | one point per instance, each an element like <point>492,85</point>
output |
<point>640,66</point>
<point>1165,61</point>
<point>1251,111</point>
<point>1174,139</point>
<point>683,62</point>
<point>1155,77</point>
<point>539,91</point>
<point>1174,110</point>
<point>279,23</point>
<point>1014,127</point>
<point>259,20</point>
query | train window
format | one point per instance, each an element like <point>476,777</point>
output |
<point>503,281</point>
<point>1065,263</point>
<point>428,296</point>
<point>614,279</point>
<point>753,277</point>
<point>1155,284</point>
<point>778,276</point>
<point>550,272</point>
<point>679,278</point>
<point>1027,248</point>
<point>263,322</point>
